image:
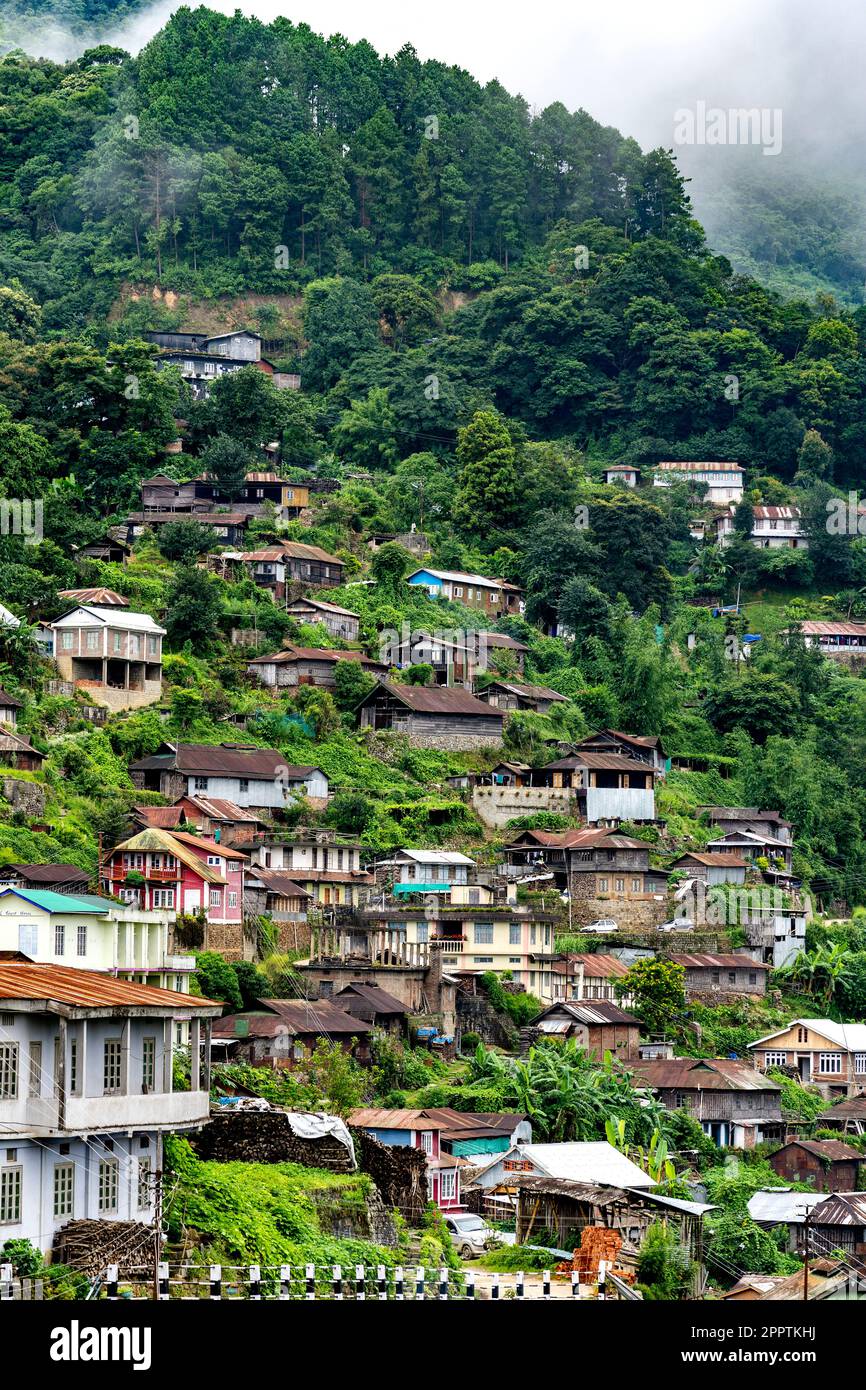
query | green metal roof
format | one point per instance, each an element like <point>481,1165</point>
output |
<point>56,902</point>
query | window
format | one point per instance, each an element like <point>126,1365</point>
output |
<point>152,646</point>
<point>81,939</point>
<point>233,899</point>
<point>133,645</point>
<point>753,977</point>
<point>28,938</point>
<point>483,934</point>
<point>214,859</point>
<point>514,934</point>
<point>112,1060</point>
<point>483,960</point>
<point>635,885</point>
<point>66,641</point>
<point>244,784</point>
<point>108,1184</point>
<point>144,1167</point>
<point>514,960</point>
<point>148,1064</point>
<point>830,1062</point>
<point>775,1059</point>
<point>732,977</point>
<point>64,1189</point>
<point>427,1140</point>
<point>215,897</point>
<point>59,938</point>
<point>10,1196</point>
<point>73,1067</point>
<point>448,1185</point>
<point>422,933</point>
<point>163,897</point>
<point>92,641</point>
<point>201,784</point>
<point>802,1035</point>
<point>8,1071</point>
<point>35,1081</point>
<point>860,1061</point>
<point>602,885</point>
<point>620,885</point>
<point>715,977</point>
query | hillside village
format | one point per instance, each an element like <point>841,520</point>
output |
<point>432,840</point>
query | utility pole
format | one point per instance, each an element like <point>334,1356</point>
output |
<point>806,1256</point>
<point>157,1231</point>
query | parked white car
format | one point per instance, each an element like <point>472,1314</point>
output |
<point>603,924</point>
<point>470,1234</point>
<point>678,924</point>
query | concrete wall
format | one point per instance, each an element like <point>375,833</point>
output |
<point>496,806</point>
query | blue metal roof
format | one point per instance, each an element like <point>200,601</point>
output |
<point>54,902</point>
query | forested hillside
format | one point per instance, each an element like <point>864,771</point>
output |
<point>484,305</point>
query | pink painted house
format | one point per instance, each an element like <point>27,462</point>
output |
<point>417,1129</point>
<point>180,873</point>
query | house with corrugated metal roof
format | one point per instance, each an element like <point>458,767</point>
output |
<point>826,1054</point>
<point>86,1094</point>
<point>239,772</point>
<point>417,1129</point>
<point>592,1162</point>
<point>113,654</point>
<point>829,1164</point>
<point>91,932</point>
<point>737,1106</point>
<point>708,974</point>
<point>179,873</point>
<point>596,1026</point>
<point>431,716</point>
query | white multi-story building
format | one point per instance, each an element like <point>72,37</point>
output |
<point>92,933</point>
<point>86,1095</point>
<point>773,528</point>
<point>723,481</point>
<point>112,653</point>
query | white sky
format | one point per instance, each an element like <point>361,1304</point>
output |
<point>630,63</point>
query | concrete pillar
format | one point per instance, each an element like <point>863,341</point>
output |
<point>206,1067</point>
<point>126,1058</point>
<point>60,1085</point>
<point>166,1054</point>
<point>195,1054</point>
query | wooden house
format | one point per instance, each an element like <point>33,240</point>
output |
<point>608,787</point>
<point>848,1116</point>
<point>340,622</point>
<point>712,868</point>
<point>707,974</point>
<point>735,1105</point>
<point>18,752</point>
<point>606,874</point>
<point>292,666</point>
<point>829,1164</point>
<point>497,597</point>
<point>374,1005</point>
<point>281,1033</point>
<point>431,716</point>
<point>597,1026</point>
<point>642,748</point>
<point>285,564</point>
<point>511,695</point>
